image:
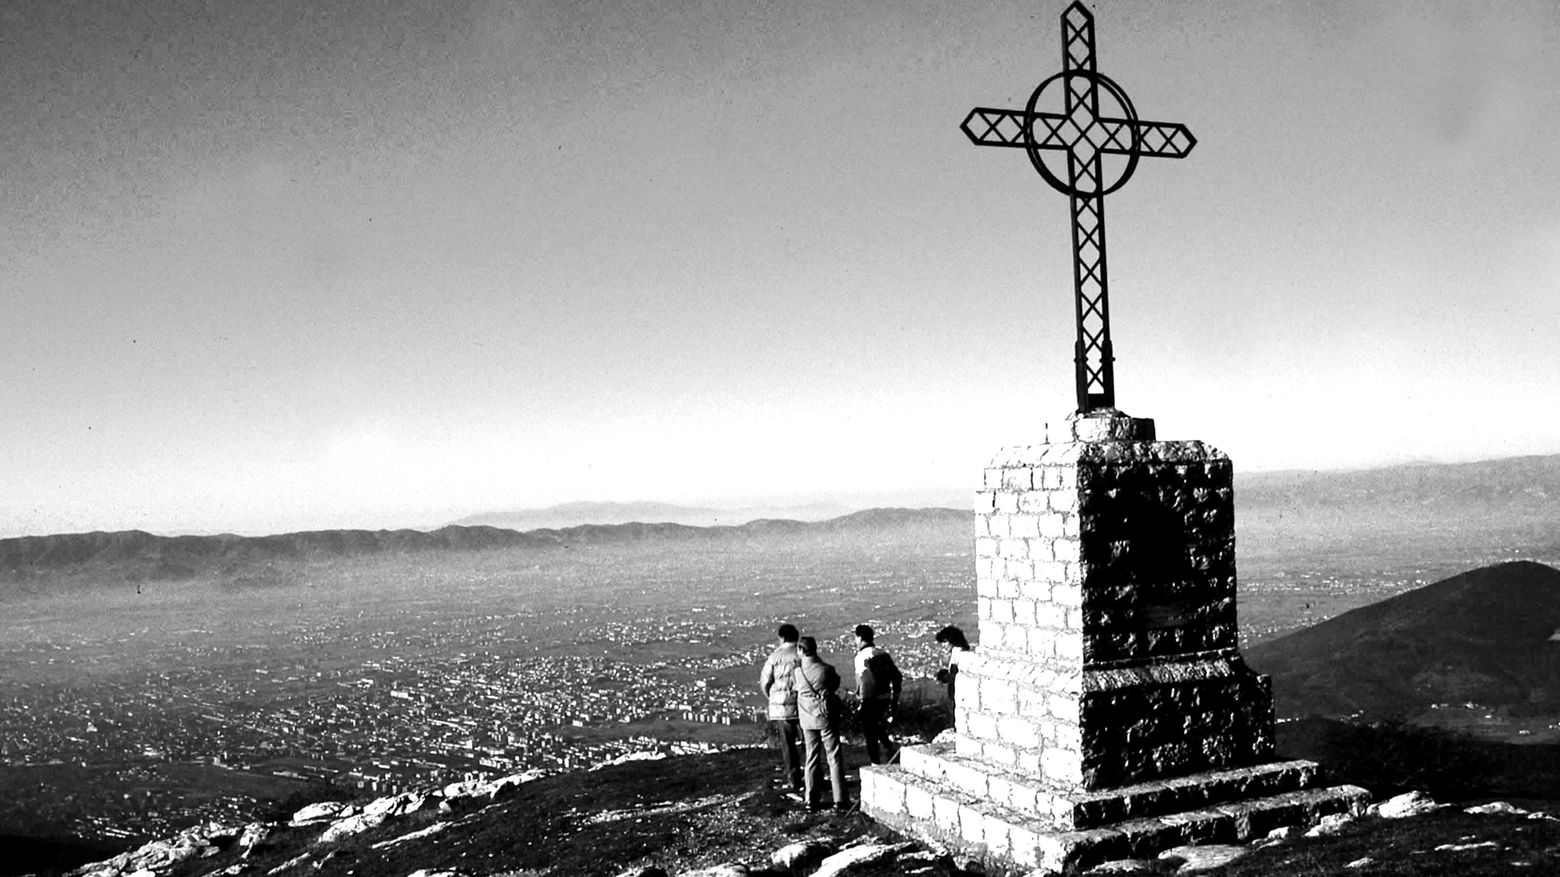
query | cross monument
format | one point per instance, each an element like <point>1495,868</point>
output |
<point>1106,712</point>
<point>1085,137</point>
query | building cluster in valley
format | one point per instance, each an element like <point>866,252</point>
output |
<point>382,726</point>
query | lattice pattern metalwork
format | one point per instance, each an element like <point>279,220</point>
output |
<point>1086,138</point>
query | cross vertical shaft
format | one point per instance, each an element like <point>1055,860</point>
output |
<point>1092,356</point>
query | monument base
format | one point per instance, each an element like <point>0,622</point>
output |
<point>983,811</point>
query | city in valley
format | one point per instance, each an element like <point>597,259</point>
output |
<point>129,709</point>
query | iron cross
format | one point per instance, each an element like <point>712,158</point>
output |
<point>1085,136</point>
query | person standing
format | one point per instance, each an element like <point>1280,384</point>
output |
<point>778,682</point>
<point>816,683</point>
<point>958,647</point>
<point>878,682</point>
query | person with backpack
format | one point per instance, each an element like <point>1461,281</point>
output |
<point>878,682</point>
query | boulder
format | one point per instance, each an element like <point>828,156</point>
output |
<point>1404,805</point>
<point>1330,824</point>
<point>412,802</point>
<point>848,861</point>
<point>254,836</point>
<point>349,826</point>
<point>1494,807</point>
<point>800,857</point>
<point>1203,857</point>
<point>322,811</point>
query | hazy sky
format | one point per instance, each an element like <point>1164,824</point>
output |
<point>284,265</point>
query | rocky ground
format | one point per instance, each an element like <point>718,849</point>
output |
<point>723,816</point>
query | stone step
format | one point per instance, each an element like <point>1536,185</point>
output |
<point>943,814</point>
<point>1072,809</point>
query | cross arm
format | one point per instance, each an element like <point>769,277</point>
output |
<point>993,127</point>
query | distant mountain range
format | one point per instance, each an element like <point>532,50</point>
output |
<point>1513,484</point>
<point>136,555</point>
<point>1490,636</point>
<point>573,514</point>
<point>1397,513</point>
<point>1489,492</point>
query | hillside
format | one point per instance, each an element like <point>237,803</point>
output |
<point>1486,636</point>
<point>720,815</point>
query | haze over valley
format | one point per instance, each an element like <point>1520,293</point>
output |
<point>151,681</point>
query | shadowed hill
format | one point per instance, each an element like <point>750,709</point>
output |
<point>1483,636</point>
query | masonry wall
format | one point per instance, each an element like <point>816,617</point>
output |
<point>1106,609</point>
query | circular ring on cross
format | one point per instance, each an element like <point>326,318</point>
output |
<point>1069,187</point>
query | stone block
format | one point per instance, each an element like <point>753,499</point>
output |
<point>1023,526</point>
<point>1018,479</point>
<point>1001,611</point>
<point>918,803</point>
<point>972,825</point>
<point>1052,526</point>
<point>1062,767</point>
<point>1029,763</point>
<point>1018,732</point>
<point>996,527</point>
<point>985,503</point>
<point>985,574</point>
<point>1023,610</point>
<point>1000,754</point>
<point>1069,646</point>
<point>981,726</point>
<point>1024,845</point>
<point>996,835</point>
<point>967,778</point>
<point>1051,615</point>
<point>945,814</point>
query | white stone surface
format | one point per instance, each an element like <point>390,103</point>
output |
<point>850,860</point>
<point>1203,857</point>
<point>1404,805</point>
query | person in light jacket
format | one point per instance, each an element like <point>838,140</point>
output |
<point>777,681</point>
<point>877,688</point>
<point>816,679</point>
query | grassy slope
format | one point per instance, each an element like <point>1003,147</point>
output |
<point>1482,635</point>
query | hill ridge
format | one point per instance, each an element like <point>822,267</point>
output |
<point>1485,635</point>
<point>41,553</point>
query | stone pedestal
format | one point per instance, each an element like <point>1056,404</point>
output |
<point>1106,711</point>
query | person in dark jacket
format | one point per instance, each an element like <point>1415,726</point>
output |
<point>777,681</point>
<point>877,688</point>
<point>958,647</point>
<point>816,680</point>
